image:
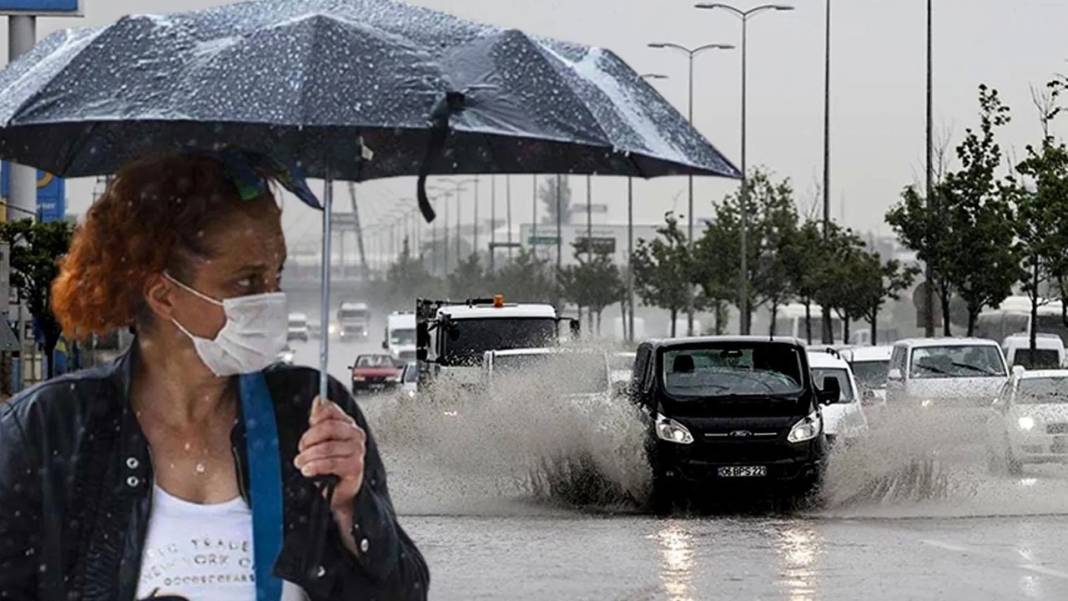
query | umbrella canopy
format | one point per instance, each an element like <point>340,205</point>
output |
<point>350,89</point>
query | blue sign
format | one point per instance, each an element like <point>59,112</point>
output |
<point>51,193</point>
<point>41,7</point>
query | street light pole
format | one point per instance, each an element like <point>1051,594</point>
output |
<point>630,237</point>
<point>828,331</point>
<point>743,276</point>
<point>691,53</point>
<point>493,224</point>
<point>932,203</point>
<point>534,215</point>
<point>559,225</point>
<point>508,200</point>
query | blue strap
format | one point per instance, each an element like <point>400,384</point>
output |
<point>265,482</point>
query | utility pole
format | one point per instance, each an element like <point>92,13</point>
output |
<point>365,270</point>
<point>474,221</point>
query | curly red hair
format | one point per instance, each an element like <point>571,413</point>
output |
<point>154,216</point>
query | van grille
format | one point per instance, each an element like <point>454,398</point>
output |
<point>1057,428</point>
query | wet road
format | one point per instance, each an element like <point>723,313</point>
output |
<point>462,492</point>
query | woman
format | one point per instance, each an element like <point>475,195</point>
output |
<point>135,480</point>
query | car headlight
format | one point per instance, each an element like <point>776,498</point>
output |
<point>806,429</point>
<point>393,379</point>
<point>1026,423</point>
<point>925,403</point>
<point>670,430</point>
<point>287,357</point>
<point>358,379</point>
<point>411,394</point>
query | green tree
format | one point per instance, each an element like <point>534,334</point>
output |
<point>526,279</point>
<point>806,263</point>
<point>772,223</point>
<point>408,279</point>
<point>35,252</point>
<point>879,282</point>
<point>469,280</point>
<point>1042,211</point>
<point>840,277</point>
<point>593,283</point>
<point>984,261</point>
<point>663,269</point>
<point>920,226</point>
<point>547,192</point>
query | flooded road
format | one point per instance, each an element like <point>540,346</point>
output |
<point>466,485</point>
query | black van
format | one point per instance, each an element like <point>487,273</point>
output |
<point>731,410</point>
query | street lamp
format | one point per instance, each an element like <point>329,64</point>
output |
<point>630,233</point>
<point>743,282</point>
<point>691,53</point>
<point>453,189</point>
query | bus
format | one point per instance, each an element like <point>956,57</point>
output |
<point>790,321</point>
<point>1014,317</point>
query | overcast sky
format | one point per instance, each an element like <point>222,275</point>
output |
<point>877,86</point>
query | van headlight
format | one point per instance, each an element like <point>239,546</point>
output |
<point>1026,423</point>
<point>806,429</point>
<point>670,430</point>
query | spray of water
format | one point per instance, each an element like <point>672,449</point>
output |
<point>545,434</point>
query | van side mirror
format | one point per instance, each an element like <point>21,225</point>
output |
<point>421,354</point>
<point>894,374</point>
<point>422,335</point>
<point>831,391</point>
<point>385,345</point>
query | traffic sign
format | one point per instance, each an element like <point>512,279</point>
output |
<point>51,193</point>
<point>43,8</point>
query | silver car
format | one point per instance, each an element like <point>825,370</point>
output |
<point>944,373</point>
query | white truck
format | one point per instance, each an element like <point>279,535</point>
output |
<point>453,338</point>
<point>354,320</point>
<point>400,336</point>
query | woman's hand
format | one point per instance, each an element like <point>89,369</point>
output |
<point>334,445</point>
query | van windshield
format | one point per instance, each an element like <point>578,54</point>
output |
<point>956,361</point>
<point>871,373</point>
<point>739,370</point>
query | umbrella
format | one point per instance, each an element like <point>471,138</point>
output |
<point>340,89</point>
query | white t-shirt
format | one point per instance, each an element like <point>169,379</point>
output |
<point>199,552</point>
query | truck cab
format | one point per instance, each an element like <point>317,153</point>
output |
<point>453,338</point>
<point>353,320</point>
<point>400,336</point>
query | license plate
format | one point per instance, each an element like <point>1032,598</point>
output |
<point>377,386</point>
<point>743,471</point>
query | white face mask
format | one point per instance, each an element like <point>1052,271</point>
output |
<point>255,332</point>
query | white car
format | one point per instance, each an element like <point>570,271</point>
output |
<point>1049,351</point>
<point>946,373</point>
<point>1029,421</point>
<point>409,387</point>
<point>844,419</point>
<point>870,365</point>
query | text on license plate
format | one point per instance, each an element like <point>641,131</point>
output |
<point>743,471</point>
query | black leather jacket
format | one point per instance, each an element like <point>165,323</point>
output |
<point>75,496</point>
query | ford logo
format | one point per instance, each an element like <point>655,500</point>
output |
<point>740,434</point>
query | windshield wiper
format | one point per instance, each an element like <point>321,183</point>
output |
<point>974,368</point>
<point>932,368</point>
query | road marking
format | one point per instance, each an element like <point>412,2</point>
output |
<point>1030,567</point>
